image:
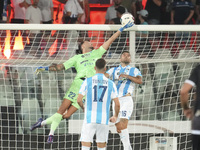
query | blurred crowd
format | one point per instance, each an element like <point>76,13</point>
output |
<point>78,11</point>
<point>156,11</point>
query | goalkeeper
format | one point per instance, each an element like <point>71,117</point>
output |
<point>84,64</point>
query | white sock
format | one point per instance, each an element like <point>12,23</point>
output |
<point>51,132</point>
<point>124,136</point>
<point>85,148</point>
<point>101,148</point>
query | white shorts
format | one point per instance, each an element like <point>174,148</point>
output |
<point>89,130</point>
<point>126,108</point>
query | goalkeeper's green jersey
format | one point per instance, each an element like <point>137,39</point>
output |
<point>85,63</point>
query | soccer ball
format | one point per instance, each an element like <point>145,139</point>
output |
<point>125,18</point>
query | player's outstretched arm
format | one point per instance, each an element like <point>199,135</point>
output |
<point>116,34</point>
<point>57,67</point>
<point>117,108</point>
<point>184,96</point>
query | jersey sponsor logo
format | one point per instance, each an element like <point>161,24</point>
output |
<point>83,61</point>
<point>88,64</point>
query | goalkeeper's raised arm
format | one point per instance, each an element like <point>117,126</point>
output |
<point>116,34</point>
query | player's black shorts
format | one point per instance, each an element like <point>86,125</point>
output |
<point>196,142</point>
<point>196,132</point>
<point>196,124</point>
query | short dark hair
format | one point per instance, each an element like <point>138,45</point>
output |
<point>125,52</point>
<point>79,50</point>
<point>100,64</point>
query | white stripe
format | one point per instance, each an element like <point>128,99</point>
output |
<point>94,105</point>
<point>196,132</point>
<point>103,118</point>
<point>190,82</point>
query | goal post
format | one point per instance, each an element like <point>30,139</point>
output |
<point>165,55</point>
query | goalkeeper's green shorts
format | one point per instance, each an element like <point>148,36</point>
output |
<point>73,92</point>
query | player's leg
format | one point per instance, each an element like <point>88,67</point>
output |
<point>56,118</point>
<point>123,133</point>
<point>87,134</point>
<point>69,98</point>
<point>102,132</point>
<point>126,108</point>
<point>73,108</point>
<point>69,103</point>
<point>55,122</point>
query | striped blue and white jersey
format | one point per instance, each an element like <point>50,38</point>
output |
<point>124,86</point>
<point>98,91</point>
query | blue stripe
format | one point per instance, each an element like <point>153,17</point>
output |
<point>128,82</point>
<point>110,88</point>
<point>131,72</point>
<point>120,82</point>
<point>99,104</point>
<point>114,74</point>
<point>89,100</point>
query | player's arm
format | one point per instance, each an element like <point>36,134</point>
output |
<point>57,67</point>
<point>54,67</point>
<point>185,89</point>
<point>80,101</point>
<point>117,108</point>
<point>109,72</point>
<point>184,96</point>
<point>116,35</point>
<point>137,79</point>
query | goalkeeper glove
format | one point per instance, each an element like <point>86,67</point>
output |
<point>128,25</point>
<point>40,69</point>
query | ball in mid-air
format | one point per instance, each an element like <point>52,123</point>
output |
<point>125,18</point>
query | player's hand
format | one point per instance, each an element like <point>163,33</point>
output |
<point>121,76</point>
<point>128,25</point>
<point>113,119</point>
<point>188,113</point>
<point>40,69</point>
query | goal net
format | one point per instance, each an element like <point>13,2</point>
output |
<point>165,55</point>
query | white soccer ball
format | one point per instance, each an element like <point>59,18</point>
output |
<point>125,18</point>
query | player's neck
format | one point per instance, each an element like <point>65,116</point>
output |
<point>86,51</point>
<point>100,72</point>
<point>124,65</point>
